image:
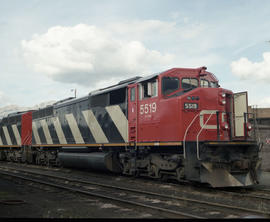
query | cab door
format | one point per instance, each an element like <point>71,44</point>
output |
<point>240,113</point>
<point>148,111</point>
<point>133,112</point>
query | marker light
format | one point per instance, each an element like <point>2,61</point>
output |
<point>225,126</point>
<point>223,95</point>
<point>222,102</point>
<point>249,127</point>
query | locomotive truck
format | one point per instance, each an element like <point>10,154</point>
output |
<point>176,124</point>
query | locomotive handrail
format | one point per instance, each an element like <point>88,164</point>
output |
<point>184,139</point>
<point>256,132</point>
<point>197,140</point>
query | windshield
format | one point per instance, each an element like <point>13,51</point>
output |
<point>169,85</point>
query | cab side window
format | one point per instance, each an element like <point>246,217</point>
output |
<point>213,85</point>
<point>132,94</point>
<point>169,85</point>
<point>189,83</point>
<point>148,89</point>
<point>205,83</point>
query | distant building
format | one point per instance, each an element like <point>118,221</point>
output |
<point>262,116</point>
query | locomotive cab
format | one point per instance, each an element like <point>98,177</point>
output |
<point>184,114</point>
<point>222,144</point>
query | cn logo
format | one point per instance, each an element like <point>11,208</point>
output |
<point>206,115</point>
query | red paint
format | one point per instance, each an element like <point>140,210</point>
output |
<point>170,120</point>
<point>132,113</point>
<point>26,131</point>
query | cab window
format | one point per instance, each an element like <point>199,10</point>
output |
<point>132,94</point>
<point>189,83</point>
<point>169,84</point>
<point>205,83</point>
<point>148,89</point>
<point>213,85</point>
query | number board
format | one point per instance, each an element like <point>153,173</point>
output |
<point>190,105</point>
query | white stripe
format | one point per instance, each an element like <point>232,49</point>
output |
<point>74,128</point>
<point>16,134</point>
<point>94,127</point>
<point>1,143</point>
<point>36,136</point>
<point>119,120</point>
<point>202,123</point>
<point>7,135</point>
<point>46,131</point>
<point>59,131</point>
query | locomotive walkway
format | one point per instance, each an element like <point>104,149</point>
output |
<point>173,204</point>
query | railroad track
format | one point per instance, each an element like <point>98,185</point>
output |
<point>40,179</point>
<point>169,205</point>
<point>261,194</point>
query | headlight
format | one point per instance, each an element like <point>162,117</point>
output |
<point>249,127</point>
<point>222,102</point>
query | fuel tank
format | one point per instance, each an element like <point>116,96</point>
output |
<point>96,161</point>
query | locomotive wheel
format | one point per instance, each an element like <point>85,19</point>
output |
<point>135,173</point>
<point>46,161</point>
<point>57,162</point>
<point>153,171</point>
<point>38,162</point>
<point>3,155</point>
<point>29,158</point>
<point>164,177</point>
<point>180,173</point>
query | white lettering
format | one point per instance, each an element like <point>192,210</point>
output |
<point>148,108</point>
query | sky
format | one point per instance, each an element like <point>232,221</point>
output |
<point>48,48</point>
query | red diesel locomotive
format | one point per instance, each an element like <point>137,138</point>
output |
<point>176,124</point>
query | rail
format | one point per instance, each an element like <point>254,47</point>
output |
<point>79,187</point>
<point>110,195</point>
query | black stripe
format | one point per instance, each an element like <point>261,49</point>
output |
<point>84,129</point>
<point>33,139</point>
<point>52,131</point>
<point>3,136</point>
<point>11,135</point>
<point>19,126</point>
<point>107,125</point>
<point>123,107</point>
<point>66,129</point>
<point>41,132</point>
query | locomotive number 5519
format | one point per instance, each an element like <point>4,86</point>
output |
<point>148,108</point>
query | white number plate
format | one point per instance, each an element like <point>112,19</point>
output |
<point>191,105</point>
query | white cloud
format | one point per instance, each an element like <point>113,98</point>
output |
<point>154,30</point>
<point>92,56</point>
<point>264,102</point>
<point>247,69</point>
<point>85,54</point>
<point>4,99</point>
<point>7,109</point>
